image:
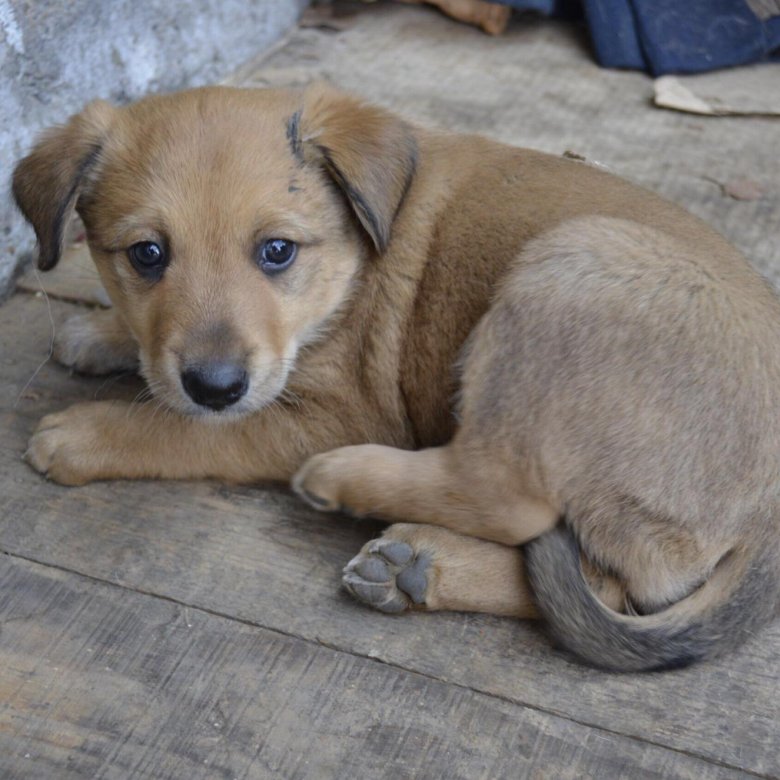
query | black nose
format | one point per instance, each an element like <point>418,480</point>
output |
<point>215,385</point>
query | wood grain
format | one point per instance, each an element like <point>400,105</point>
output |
<point>100,682</point>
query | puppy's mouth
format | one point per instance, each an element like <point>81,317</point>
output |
<point>218,390</point>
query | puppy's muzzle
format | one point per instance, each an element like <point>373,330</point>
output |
<point>215,385</point>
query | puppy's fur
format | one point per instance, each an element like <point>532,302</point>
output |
<point>614,361</point>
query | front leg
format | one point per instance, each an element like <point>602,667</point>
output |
<point>117,440</point>
<point>96,342</point>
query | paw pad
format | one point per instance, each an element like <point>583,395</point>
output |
<point>388,576</point>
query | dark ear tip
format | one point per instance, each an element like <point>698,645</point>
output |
<point>381,241</point>
<point>47,259</point>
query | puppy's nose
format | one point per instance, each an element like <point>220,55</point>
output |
<point>215,385</point>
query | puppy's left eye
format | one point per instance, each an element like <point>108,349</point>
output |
<point>276,255</point>
<point>148,258</point>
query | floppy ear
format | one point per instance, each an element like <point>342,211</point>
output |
<point>47,183</point>
<point>368,152</point>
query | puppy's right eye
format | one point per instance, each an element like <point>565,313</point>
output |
<point>277,255</point>
<point>148,258</point>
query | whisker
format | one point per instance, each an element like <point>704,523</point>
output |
<point>110,381</point>
<point>288,396</point>
<point>142,395</point>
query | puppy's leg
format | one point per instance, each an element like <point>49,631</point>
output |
<point>117,440</point>
<point>424,567</point>
<point>454,486</point>
<point>96,342</point>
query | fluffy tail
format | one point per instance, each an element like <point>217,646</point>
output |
<point>738,598</point>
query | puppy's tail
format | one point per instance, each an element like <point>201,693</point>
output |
<point>738,598</point>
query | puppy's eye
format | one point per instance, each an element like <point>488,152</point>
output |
<point>277,254</point>
<point>148,259</point>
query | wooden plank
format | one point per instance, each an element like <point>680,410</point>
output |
<point>258,555</point>
<point>99,682</point>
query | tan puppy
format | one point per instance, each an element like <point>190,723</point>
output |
<point>504,338</point>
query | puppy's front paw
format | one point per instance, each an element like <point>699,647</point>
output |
<point>95,343</point>
<point>70,447</point>
<point>324,481</point>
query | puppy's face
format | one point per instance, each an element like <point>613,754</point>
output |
<point>223,250</point>
<point>227,225</point>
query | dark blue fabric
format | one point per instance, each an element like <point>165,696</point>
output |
<point>614,32</point>
<point>546,7</point>
<point>671,36</point>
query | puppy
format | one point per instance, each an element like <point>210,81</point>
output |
<point>503,346</point>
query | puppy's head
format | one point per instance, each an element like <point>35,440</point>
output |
<point>227,225</point>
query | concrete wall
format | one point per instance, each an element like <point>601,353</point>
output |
<point>55,55</point>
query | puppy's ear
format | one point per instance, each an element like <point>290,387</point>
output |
<point>47,183</point>
<point>368,152</point>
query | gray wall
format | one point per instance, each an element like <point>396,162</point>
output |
<point>56,55</point>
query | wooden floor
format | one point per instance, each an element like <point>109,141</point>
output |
<point>193,630</point>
